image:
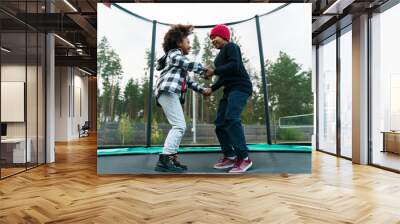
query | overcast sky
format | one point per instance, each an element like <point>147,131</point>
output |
<point>288,29</point>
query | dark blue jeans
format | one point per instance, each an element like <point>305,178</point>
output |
<point>228,126</point>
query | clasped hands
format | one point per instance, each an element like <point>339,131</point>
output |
<point>208,73</point>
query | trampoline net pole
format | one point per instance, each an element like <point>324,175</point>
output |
<point>264,81</point>
<point>194,111</point>
<point>150,98</point>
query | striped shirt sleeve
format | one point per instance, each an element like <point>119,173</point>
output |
<point>194,85</point>
<point>179,60</point>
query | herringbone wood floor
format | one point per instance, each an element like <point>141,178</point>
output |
<point>70,191</point>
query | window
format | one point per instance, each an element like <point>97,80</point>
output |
<point>385,89</point>
<point>22,76</point>
<point>327,95</point>
<point>346,93</point>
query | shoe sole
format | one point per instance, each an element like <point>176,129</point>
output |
<point>164,170</point>
<point>223,167</point>
<point>248,167</point>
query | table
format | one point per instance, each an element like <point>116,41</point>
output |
<point>15,148</point>
<point>391,141</point>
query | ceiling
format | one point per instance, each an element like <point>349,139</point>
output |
<point>74,22</point>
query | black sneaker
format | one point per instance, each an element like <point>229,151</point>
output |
<point>178,163</point>
<point>165,164</point>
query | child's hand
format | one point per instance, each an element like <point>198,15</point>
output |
<point>207,92</point>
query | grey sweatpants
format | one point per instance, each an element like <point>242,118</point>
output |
<point>174,113</point>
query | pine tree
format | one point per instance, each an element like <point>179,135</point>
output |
<point>110,70</point>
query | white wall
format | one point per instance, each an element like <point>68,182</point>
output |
<point>15,73</point>
<point>13,100</point>
<point>71,94</point>
<point>80,94</point>
<point>61,103</point>
<point>33,126</point>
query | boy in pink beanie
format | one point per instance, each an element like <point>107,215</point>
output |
<point>237,89</point>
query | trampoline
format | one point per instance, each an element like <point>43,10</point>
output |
<point>207,149</point>
<point>200,159</point>
<point>146,127</point>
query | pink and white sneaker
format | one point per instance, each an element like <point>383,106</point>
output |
<point>225,163</point>
<point>241,166</point>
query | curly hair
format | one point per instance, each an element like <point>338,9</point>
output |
<point>175,35</point>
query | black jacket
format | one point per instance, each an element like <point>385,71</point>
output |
<point>231,71</point>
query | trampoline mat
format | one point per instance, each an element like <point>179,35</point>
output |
<point>158,149</point>
<point>202,163</point>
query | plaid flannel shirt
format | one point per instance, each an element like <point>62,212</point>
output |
<point>175,71</point>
